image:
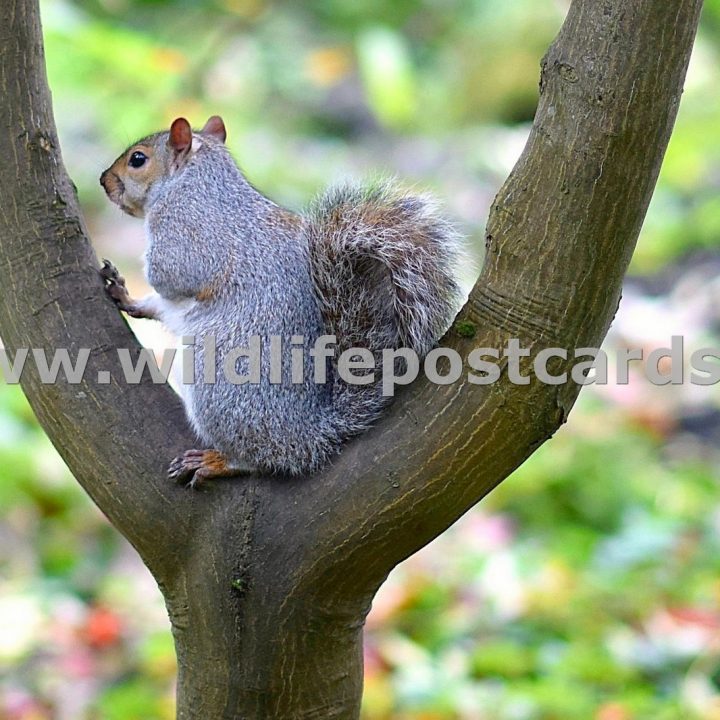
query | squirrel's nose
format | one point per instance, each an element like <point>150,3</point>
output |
<point>103,179</point>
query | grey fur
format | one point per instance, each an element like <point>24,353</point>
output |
<point>370,265</point>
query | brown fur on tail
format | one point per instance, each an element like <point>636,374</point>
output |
<point>384,267</point>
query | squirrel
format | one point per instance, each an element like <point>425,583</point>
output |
<point>373,266</point>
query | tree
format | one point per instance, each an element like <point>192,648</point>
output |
<point>267,582</point>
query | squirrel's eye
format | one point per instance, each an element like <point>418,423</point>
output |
<point>137,159</point>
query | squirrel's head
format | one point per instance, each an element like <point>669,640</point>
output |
<point>148,163</point>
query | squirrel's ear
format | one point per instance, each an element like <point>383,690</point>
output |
<point>216,128</point>
<point>180,135</point>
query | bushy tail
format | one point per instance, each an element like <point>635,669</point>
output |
<point>384,266</point>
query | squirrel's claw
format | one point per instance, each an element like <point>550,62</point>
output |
<point>114,281</point>
<point>110,273</point>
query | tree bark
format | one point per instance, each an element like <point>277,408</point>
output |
<point>267,581</point>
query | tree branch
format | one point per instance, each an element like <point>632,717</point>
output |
<point>560,236</point>
<point>115,438</point>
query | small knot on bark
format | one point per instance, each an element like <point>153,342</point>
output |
<point>40,140</point>
<point>567,73</point>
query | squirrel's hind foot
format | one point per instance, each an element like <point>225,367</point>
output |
<point>193,467</point>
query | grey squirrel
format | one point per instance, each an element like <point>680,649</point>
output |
<point>373,266</point>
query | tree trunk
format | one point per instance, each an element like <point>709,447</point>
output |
<point>268,582</point>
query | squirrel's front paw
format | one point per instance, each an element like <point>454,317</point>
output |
<point>116,289</point>
<point>115,285</point>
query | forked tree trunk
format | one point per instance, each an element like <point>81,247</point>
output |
<point>268,582</point>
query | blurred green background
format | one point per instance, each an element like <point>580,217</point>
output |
<point>588,584</point>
